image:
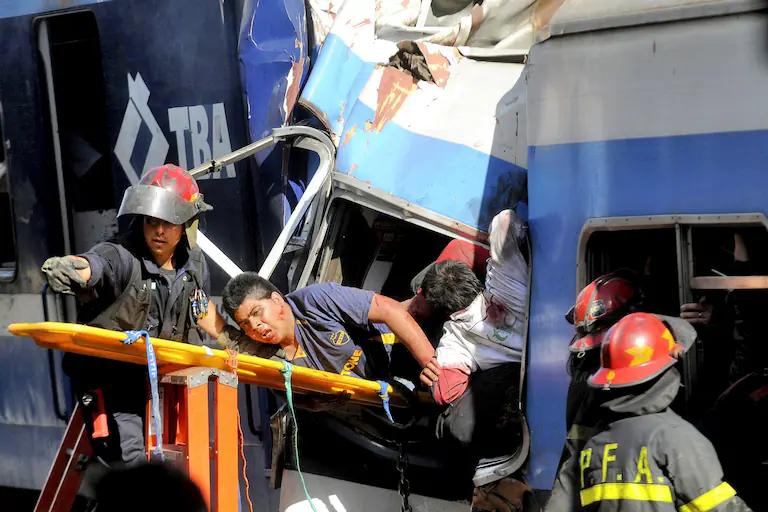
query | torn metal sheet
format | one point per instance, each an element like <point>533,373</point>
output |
<point>420,121</point>
<point>273,57</point>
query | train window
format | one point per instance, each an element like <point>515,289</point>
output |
<point>7,232</point>
<point>714,265</point>
<point>650,253</point>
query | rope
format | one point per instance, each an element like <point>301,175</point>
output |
<point>245,463</point>
<point>384,395</point>
<point>287,370</point>
<point>132,337</point>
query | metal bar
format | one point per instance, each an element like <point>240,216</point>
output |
<point>729,283</point>
<point>196,426</point>
<point>323,149</point>
<point>235,156</point>
<point>225,446</point>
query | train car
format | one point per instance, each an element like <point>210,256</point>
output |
<point>647,144</point>
<point>92,94</point>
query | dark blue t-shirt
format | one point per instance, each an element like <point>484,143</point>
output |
<point>334,332</point>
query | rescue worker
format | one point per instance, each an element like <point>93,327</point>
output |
<point>598,306</point>
<point>644,457</point>
<point>148,278</point>
<point>325,326</point>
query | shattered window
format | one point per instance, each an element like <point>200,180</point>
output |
<point>7,232</point>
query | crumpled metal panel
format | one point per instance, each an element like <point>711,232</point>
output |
<point>585,15</point>
<point>273,56</point>
<point>420,121</point>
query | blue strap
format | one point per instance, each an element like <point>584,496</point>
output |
<point>287,370</point>
<point>384,395</point>
<point>132,337</point>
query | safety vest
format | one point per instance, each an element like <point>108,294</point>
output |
<point>130,310</point>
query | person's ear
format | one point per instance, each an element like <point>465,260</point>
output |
<point>276,297</point>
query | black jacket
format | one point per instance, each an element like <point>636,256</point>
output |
<point>644,458</point>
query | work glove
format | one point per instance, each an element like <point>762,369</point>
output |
<point>61,273</point>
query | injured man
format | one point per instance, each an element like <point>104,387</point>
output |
<point>476,368</point>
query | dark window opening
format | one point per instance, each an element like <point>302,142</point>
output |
<point>71,51</point>
<point>724,268</point>
<point>8,253</point>
<point>650,253</point>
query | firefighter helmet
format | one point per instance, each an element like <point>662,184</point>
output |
<point>167,192</point>
<point>601,303</point>
<point>637,348</point>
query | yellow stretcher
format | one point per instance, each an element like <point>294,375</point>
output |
<point>171,355</point>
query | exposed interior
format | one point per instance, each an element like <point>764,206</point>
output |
<point>667,261</point>
<point>372,250</point>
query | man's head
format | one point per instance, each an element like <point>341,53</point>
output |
<point>259,309</point>
<point>448,286</point>
<point>161,237</point>
<point>166,197</point>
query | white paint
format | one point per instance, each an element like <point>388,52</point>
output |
<point>334,495</point>
<point>178,121</point>
<point>691,77</point>
<point>194,119</point>
<point>198,131</point>
<point>220,139</point>
<point>217,255</point>
<point>137,112</point>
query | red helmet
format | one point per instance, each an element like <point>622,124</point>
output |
<point>167,192</point>
<point>598,305</point>
<point>637,349</point>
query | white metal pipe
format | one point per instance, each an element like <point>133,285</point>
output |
<point>218,257</point>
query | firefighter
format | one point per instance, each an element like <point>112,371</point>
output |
<point>149,277</point>
<point>598,306</point>
<point>644,457</point>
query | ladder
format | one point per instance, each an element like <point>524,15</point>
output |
<point>186,439</point>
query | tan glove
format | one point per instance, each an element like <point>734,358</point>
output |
<point>61,273</point>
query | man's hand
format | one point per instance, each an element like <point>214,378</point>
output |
<point>64,273</point>
<point>697,313</point>
<point>431,372</point>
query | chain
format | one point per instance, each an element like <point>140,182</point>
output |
<point>403,485</point>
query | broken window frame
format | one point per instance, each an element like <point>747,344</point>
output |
<point>684,252</point>
<point>8,274</point>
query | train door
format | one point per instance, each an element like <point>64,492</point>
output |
<point>70,55</point>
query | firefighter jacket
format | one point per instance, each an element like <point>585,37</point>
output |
<point>644,458</point>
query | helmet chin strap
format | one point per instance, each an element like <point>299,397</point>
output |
<point>190,228</point>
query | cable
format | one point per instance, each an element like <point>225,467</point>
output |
<point>245,463</point>
<point>287,370</point>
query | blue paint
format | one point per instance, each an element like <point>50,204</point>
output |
<point>273,36</point>
<point>337,79</point>
<point>451,179</point>
<point>570,183</point>
<point>13,8</point>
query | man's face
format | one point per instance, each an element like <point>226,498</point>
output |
<point>161,237</point>
<point>267,320</point>
<point>418,307</point>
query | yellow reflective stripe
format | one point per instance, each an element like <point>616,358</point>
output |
<point>388,338</point>
<point>710,499</point>
<point>638,492</point>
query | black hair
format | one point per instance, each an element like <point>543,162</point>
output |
<point>164,488</point>
<point>450,286</point>
<point>245,285</point>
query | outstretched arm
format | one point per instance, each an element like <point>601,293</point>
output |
<point>388,311</point>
